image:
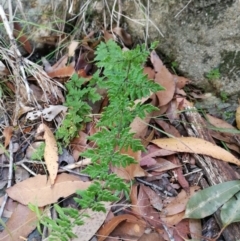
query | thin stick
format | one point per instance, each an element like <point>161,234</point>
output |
<point>147,24</point>
<point>28,169</point>
<point>182,9</point>
<point>10,173</point>
<point>119,11</point>
<point>13,42</point>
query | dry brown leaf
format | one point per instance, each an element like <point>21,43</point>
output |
<point>7,133</point>
<point>233,147</point>
<point>162,165</point>
<point>65,71</point>
<point>91,223</point>
<point>180,81</point>
<point>128,230</point>
<point>126,38</point>
<point>150,72</point>
<point>195,227</point>
<point>161,111</point>
<point>151,237</point>
<point>172,112</point>
<point>60,63</point>
<point>133,170</point>
<point>21,38</point>
<point>165,79</point>
<point>219,122</point>
<point>79,144</point>
<point>140,126</point>
<point>72,47</point>
<point>22,222</point>
<point>178,204</point>
<point>107,36</point>
<point>181,231</point>
<point>156,61</point>
<point>38,189</point>
<point>238,117</point>
<point>106,229</point>
<point>178,173</point>
<point>50,151</point>
<point>154,198</point>
<point>174,219</point>
<point>167,127</point>
<point>153,151</point>
<point>196,145</point>
<point>142,207</point>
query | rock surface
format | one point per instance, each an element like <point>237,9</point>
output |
<point>199,36</point>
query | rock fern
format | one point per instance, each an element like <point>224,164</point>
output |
<point>121,74</point>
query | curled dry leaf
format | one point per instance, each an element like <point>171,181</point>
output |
<point>126,38</point>
<point>107,36</point>
<point>39,191</point>
<point>65,71</point>
<point>50,151</point>
<point>165,79</point>
<point>196,145</point>
<point>238,117</point>
<point>7,133</point>
<point>156,61</point>
<point>21,37</point>
<point>72,47</point>
<point>114,222</point>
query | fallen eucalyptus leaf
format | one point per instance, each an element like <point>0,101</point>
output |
<point>207,201</point>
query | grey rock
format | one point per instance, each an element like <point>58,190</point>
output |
<point>200,35</point>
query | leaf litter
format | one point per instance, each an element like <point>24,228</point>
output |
<point>154,211</point>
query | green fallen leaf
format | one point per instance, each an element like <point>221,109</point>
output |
<point>207,201</point>
<point>230,212</point>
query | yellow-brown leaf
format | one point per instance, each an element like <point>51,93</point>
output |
<point>196,145</point>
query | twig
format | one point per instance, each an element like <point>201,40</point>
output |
<point>182,9</point>
<point>13,42</point>
<point>153,186</point>
<point>112,14</point>
<point>119,11</point>
<point>104,15</point>
<point>147,23</point>
<point>74,172</point>
<point>10,13</point>
<point>10,173</point>
<point>81,163</point>
<point>171,238</point>
<point>28,169</point>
